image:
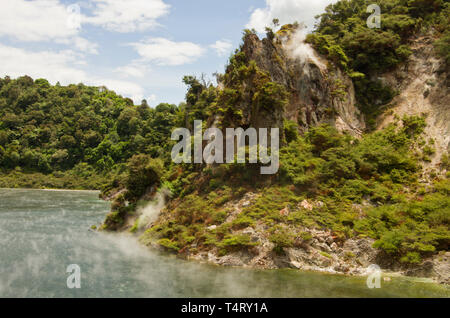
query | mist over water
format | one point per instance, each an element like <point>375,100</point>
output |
<point>42,232</point>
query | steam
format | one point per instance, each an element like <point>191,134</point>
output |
<point>297,48</point>
<point>151,211</point>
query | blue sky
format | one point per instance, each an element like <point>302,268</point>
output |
<point>139,48</point>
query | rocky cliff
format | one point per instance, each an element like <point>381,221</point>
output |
<point>423,88</point>
<point>317,91</point>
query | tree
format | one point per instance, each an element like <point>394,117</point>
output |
<point>143,172</point>
<point>276,22</point>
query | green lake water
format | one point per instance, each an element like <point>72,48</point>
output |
<point>42,232</point>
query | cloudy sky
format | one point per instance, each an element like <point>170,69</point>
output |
<point>139,48</point>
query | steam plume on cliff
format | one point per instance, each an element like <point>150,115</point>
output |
<point>297,48</point>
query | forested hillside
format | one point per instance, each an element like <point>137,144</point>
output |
<point>77,136</point>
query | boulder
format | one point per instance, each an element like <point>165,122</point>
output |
<point>285,211</point>
<point>306,205</point>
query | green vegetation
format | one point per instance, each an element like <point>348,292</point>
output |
<point>337,174</point>
<point>74,136</point>
<point>89,137</point>
<point>246,84</point>
<point>143,172</point>
<point>442,26</point>
<point>412,228</point>
<point>343,36</point>
<point>235,242</point>
<point>325,254</point>
<point>86,179</point>
<point>366,187</point>
<point>282,238</point>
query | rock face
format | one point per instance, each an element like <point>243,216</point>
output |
<point>438,267</point>
<point>423,84</point>
<point>353,257</point>
<point>321,251</point>
<point>320,254</point>
<point>319,92</point>
<point>441,268</point>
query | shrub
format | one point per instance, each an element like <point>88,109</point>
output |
<point>242,221</point>
<point>144,172</point>
<point>443,47</point>
<point>168,244</point>
<point>236,242</point>
<point>411,258</point>
<point>306,236</point>
<point>281,237</point>
<point>325,254</point>
<point>290,131</point>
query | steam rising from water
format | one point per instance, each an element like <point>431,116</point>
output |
<point>151,211</point>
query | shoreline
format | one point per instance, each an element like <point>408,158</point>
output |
<point>321,253</point>
<point>386,275</point>
<point>53,190</point>
<point>280,263</point>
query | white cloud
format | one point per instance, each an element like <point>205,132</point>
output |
<point>85,45</point>
<point>132,70</point>
<point>287,11</point>
<point>125,88</point>
<point>55,66</point>
<point>165,52</point>
<point>62,66</point>
<point>222,47</point>
<point>151,98</point>
<point>80,43</point>
<point>54,21</point>
<point>51,20</point>
<point>42,21</point>
<point>127,16</point>
<point>38,20</point>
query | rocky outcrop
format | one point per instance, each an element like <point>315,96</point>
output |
<point>438,267</point>
<point>321,254</point>
<point>441,268</point>
<point>319,92</point>
<point>318,250</point>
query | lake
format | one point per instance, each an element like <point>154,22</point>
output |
<point>43,232</point>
